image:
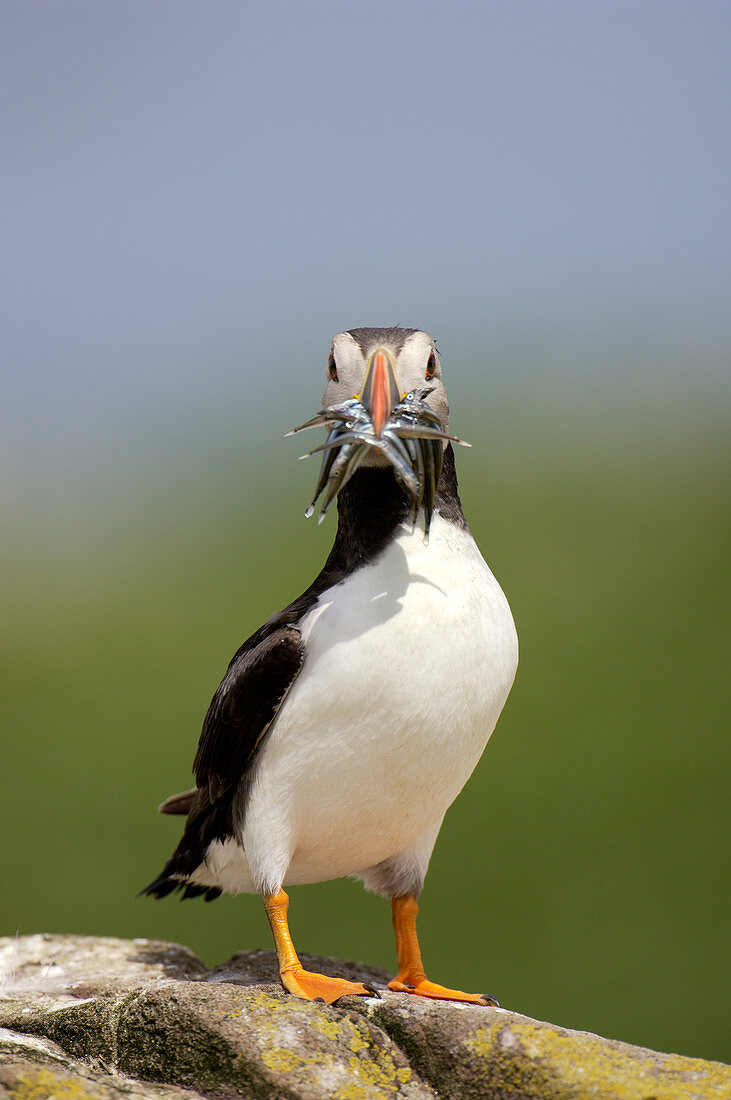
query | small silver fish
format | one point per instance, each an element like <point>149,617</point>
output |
<point>411,441</point>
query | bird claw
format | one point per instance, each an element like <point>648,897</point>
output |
<point>372,990</point>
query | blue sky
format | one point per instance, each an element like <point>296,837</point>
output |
<point>198,194</point>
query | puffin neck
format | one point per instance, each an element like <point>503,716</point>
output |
<point>373,504</point>
<point>446,501</point>
<point>370,508</point>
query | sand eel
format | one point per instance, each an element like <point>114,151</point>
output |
<point>348,723</point>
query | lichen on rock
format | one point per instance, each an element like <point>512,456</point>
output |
<point>88,1018</point>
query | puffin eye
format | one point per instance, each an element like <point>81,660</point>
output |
<point>431,366</point>
<point>332,370</point>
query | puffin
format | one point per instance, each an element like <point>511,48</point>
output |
<point>346,725</point>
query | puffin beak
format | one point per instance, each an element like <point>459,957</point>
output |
<point>380,390</point>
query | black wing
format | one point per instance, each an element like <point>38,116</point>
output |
<point>242,710</point>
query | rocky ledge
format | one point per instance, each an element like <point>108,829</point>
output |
<point>85,1018</point>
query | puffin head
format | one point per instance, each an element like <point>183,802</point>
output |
<point>380,366</point>
<point>385,406</point>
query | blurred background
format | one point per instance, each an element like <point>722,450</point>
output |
<point>197,196</point>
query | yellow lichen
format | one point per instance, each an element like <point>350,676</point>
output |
<point>481,1042</point>
<point>357,1042</point>
<point>327,1026</point>
<point>373,1071</point>
<point>271,1003</point>
<point>43,1083</point>
<point>282,1060</point>
<point>352,1092</point>
<point>374,1077</point>
<point>578,1061</point>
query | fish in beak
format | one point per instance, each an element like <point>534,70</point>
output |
<point>401,427</point>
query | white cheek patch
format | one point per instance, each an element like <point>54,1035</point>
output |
<point>350,366</point>
<point>413,359</point>
<point>411,370</point>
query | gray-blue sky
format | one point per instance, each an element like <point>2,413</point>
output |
<point>195,192</point>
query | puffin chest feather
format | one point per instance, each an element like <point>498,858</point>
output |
<point>408,663</point>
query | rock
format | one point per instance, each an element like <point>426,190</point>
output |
<point>102,1018</point>
<point>33,1069</point>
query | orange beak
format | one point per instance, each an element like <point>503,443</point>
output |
<point>380,391</point>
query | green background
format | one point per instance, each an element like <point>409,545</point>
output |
<point>582,876</point>
<point>194,203</point>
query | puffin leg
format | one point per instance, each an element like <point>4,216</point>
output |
<point>295,979</point>
<point>411,977</point>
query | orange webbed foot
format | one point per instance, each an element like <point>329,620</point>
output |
<point>411,977</point>
<point>319,987</point>
<point>421,987</point>
<point>295,979</point>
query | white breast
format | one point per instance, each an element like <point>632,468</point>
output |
<point>408,664</point>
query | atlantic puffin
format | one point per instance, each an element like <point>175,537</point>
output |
<point>348,723</point>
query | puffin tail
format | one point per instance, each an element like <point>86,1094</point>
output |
<point>206,822</point>
<point>178,803</point>
<point>166,884</point>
